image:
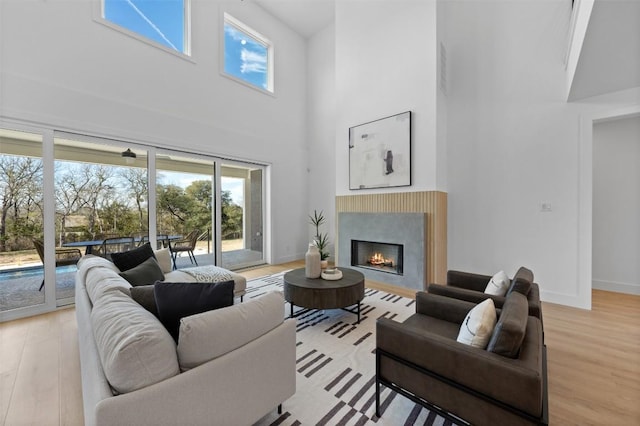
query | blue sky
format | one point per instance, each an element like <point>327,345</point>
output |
<point>163,22</point>
<point>245,57</point>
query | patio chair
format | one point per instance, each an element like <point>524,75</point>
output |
<point>64,256</point>
<point>115,245</point>
<point>162,241</point>
<point>186,244</point>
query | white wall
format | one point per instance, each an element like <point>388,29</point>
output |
<point>61,68</point>
<point>616,205</point>
<point>322,129</point>
<point>386,64</point>
<point>513,144</point>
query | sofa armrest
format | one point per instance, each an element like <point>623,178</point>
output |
<point>441,307</point>
<point>237,388</point>
<point>516,382</point>
<point>468,280</point>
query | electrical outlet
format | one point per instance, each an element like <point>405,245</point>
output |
<point>545,206</point>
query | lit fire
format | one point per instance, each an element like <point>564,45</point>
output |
<point>378,260</point>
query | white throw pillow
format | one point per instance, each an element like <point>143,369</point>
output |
<point>498,284</point>
<point>477,327</point>
<point>163,256</point>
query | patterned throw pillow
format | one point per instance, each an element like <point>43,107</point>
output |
<point>498,284</point>
<point>477,327</point>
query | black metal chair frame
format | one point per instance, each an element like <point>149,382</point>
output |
<point>64,256</point>
<point>123,243</point>
<point>543,420</point>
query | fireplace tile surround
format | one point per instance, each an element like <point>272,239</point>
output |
<point>431,203</point>
<point>405,229</point>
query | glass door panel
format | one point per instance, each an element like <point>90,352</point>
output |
<point>101,194</point>
<point>242,216</point>
<point>184,208</point>
<point>21,220</point>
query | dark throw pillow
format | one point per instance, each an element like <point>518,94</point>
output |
<point>144,295</point>
<point>130,259</point>
<point>148,272</point>
<point>179,300</point>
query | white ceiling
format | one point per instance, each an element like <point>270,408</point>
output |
<point>305,17</point>
<point>609,60</point>
<point>610,56</point>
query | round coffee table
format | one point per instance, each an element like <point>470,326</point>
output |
<point>317,293</point>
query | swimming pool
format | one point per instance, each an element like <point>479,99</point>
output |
<point>32,271</point>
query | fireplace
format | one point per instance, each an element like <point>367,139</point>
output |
<point>384,257</point>
<point>402,263</point>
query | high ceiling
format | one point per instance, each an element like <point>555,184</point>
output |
<point>609,60</point>
<point>305,17</point>
<point>610,56</point>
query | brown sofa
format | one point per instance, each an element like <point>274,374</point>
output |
<point>505,384</point>
<point>470,287</point>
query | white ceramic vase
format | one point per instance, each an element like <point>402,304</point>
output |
<point>312,262</point>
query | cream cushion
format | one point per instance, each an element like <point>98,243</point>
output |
<point>102,280</point>
<point>477,327</point>
<point>163,256</point>
<point>134,347</point>
<point>211,334</point>
<point>498,284</point>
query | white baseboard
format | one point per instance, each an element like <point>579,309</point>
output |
<point>617,287</point>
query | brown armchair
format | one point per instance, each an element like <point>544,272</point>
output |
<point>470,287</point>
<point>505,384</point>
<point>186,244</point>
<point>64,256</point>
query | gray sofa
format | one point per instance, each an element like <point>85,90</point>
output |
<point>504,384</point>
<point>230,366</point>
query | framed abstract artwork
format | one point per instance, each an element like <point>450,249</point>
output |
<point>380,153</point>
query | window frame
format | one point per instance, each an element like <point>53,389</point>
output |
<point>228,19</point>
<point>185,54</point>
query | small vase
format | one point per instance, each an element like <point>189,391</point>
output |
<point>312,262</point>
<point>324,264</point>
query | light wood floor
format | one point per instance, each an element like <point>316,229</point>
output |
<point>593,365</point>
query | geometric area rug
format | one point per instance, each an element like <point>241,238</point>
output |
<point>335,363</point>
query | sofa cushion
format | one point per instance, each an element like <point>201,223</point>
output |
<point>145,273</point>
<point>179,300</point>
<point>103,279</point>
<point>144,295</point>
<point>208,335</point>
<point>521,281</point>
<point>498,284</point>
<point>129,259</point>
<point>135,350</point>
<point>163,256</point>
<point>477,327</point>
<point>509,330</point>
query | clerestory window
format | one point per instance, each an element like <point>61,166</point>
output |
<point>248,56</point>
<point>164,22</point>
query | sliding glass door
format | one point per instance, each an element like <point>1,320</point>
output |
<point>21,220</point>
<point>184,208</point>
<point>64,195</point>
<point>101,194</point>
<point>242,215</point>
